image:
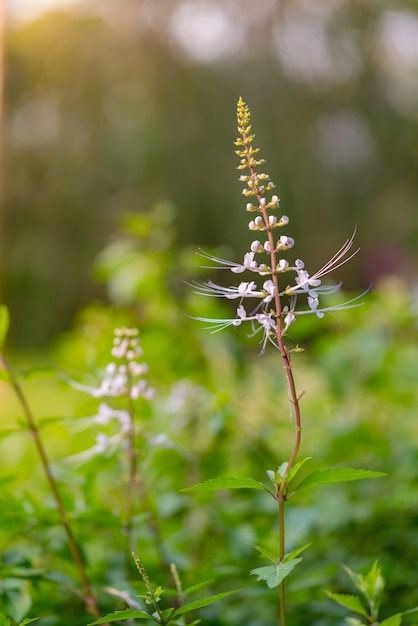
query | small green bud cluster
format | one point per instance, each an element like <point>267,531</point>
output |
<point>257,183</point>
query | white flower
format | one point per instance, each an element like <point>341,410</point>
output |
<point>249,264</point>
<point>124,419</point>
<point>237,268</point>
<point>285,243</point>
<point>241,316</point>
<point>104,415</point>
<point>243,290</point>
<point>256,246</point>
<point>102,442</point>
<point>313,302</point>
<point>270,289</point>
<point>284,313</point>
<point>289,318</point>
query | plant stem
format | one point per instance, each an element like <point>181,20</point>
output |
<point>282,594</point>
<point>88,596</point>
<point>294,398</point>
<point>137,483</point>
<point>130,490</point>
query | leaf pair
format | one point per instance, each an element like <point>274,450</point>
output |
<point>168,615</point>
<point>275,574</point>
<point>319,477</point>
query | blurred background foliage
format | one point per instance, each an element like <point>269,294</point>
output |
<point>117,164</point>
<point>219,409</point>
<point>117,106</point>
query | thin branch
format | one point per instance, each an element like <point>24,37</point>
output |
<point>88,596</point>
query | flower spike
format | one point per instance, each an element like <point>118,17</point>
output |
<point>278,305</point>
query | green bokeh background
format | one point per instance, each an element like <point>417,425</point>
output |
<point>118,106</point>
<point>118,163</point>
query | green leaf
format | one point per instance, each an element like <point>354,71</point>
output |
<point>197,586</point>
<point>394,620</point>
<point>37,372</point>
<point>9,431</point>
<point>198,604</point>
<point>167,614</point>
<point>375,584</point>
<point>414,610</point>
<point>371,585</point>
<point>358,580</point>
<point>227,482</point>
<point>275,574</point>
<point>295,553</point>
<point>269,555</point>
<point>4,324</point>
<point>294,470</point>
<point>121,615</point>
<point>28,620</point>
<point>4,620</point>
<point>349,602</point>
<point>337,475</point>
<point>353,621</point>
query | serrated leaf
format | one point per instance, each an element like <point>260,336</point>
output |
<point>122,615</point>
<point>295,553</point>
<point>375,584</point>
<point>269,555</point>
<point>358,580</point>
<point>227,482</point>
<point>28,620</point>
<point>349,602</point>
<point>4,324</point>
<point>337,475</point>
<point>394,620</point>
<point>198,604</point>
<point>273,575</point>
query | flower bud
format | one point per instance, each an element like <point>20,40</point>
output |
<point>255,246</point>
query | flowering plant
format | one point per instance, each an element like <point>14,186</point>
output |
<point>277,308</point>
